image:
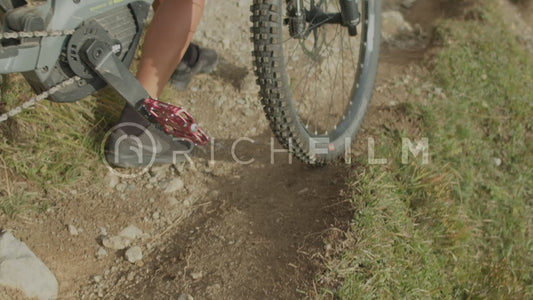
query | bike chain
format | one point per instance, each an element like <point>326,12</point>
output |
<point>32,101</point>
<point>31,34</point>
<point>174,120</point>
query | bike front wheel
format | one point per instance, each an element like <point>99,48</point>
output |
<point>316,77</point>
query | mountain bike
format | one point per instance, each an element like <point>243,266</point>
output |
<point>315,62</point>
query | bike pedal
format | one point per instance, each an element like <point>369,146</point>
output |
<point>175,121</point>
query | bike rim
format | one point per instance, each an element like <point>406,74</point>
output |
<point>324,72</point>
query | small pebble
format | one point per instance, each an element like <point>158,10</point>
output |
<point>172,201</point>
<point>112,180</point>
<point>72,230</point>
<point>131,276</point>
<point>103,231</point>
<point>101,252</point>
<point>196,275</point>
<point>185,297</point>
<point>121,187</point>
<point>408,3</point>
<point>134,254</point>
<point>116,242</point>
<point>174,185</point>
<point>131,232</point>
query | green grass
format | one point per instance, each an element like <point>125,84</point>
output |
<point>53,147</point>
<point>460,227</point>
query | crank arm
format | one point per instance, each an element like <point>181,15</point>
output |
<point>101,58</point>
<point>174,120</point>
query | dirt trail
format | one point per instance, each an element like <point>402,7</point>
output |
<point>263,233</point>
<point>235,231</point>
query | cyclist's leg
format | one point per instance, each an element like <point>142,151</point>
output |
<point>195,60</point>
<point>166,41</point>
<point>155,4</point>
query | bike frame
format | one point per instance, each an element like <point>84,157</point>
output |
<point>41,56</point>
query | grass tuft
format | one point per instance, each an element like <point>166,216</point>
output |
<point>52,147</point>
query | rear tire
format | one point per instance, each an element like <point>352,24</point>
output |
<point>313,113</point>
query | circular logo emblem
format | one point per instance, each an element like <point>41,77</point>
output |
<point>124,149</point>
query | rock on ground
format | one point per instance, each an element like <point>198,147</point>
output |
<point>174,185</point>
<point>116,242</point>
<point>172,201</point>
<point>408,3</point>
<point>197,275</point>
<point>101,253</point>
<point>131,232</point>
<point>21,269</point>
<point>185,297</point>
<point>72,230</point>
<point>394,25</point>
<point>134,254</point>
<point>112,180</point>
<point>159,171</point>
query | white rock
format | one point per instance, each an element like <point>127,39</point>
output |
<point>196,275</point>
<point>112,180</point>
<point>213,290</point>
<point>116,242</point>
<point>131,232</point>
<point>303,191</point>
<point>226,43</point>
<point>189,202</point>
<point>497,161</point>
<point>103,231</point>
<point>121,187</point>
<point>101,253</point>
<point>134,254</point>
<point>72,230</point>
<point>173,201</point>
<point>21,269</point>
<point>131,276</point>
<point>185,297</point>
<point>408,3</point>
<point>393,24</point>
<point>160,171</point>
<point>174,185</point>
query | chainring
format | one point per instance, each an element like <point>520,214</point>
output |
<point>89,31</point>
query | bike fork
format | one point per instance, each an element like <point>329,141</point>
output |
<point>350,15</point>
<point>301,20</point>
